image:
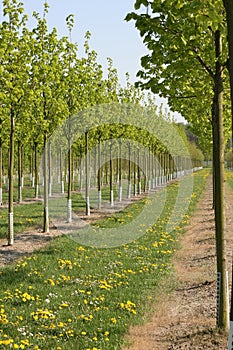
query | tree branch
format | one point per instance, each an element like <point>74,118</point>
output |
<point>176,96</point>
<point>204,65</point>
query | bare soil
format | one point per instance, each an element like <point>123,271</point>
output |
<point>186,318</point>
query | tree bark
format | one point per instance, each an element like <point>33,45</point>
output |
<point>228,4</point>
<point>99,174</point>
<point>69,199</point>
<point>111,177</point>
<point>46,186</point>
<point>36,169</point>
<point>87,176</point>
<point>19,173</point>
<point>129,172</point>
<point>120,172</point>
<point>222,319</point>
<point>11,183</point>
<point>139,173</point>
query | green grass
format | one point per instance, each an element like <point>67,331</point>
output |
<point>26,217</point>
<point>69,296</point>
<point>229,178</point>
<point>30,216</point>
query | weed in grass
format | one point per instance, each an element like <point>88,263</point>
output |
<point>69,296</point>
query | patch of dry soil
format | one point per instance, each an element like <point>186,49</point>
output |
<point>186,318</point>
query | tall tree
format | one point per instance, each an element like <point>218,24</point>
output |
<point>15,59</point>
<point>185,61</point>
<point>46,76</point>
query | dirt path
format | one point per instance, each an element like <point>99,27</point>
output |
<point>186,318</point>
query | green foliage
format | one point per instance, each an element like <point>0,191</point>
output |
<point>180,64</point>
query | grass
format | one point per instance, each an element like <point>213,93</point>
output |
<point>30,216</point>
<point>229,178</point>
<point>69,296</point>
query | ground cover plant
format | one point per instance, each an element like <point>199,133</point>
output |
<point>69,296</point>
<point>229,177</point>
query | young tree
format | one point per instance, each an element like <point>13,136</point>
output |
<point>48,101</point>
<point>186,62</point>
<point>15,59</point>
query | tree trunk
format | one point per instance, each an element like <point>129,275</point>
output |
<point>36,170</point>
<point>120,172</point>
<point>222,319</point>
<point>87,176</point>
<point>111,177</point>
<point>32,177</point>
<point>134,176</point>
<point>139,174</point>
<point>50,176</point>
<point>99,174</point>
<point>22,165</point>
<point>228,4</point>
<point>11,183</point>
<point>19,173</point>
<point>46,186</point>
<point>61,173</point>
<point>69,199</point>
<point>129,172</point>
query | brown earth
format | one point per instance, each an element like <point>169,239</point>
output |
<point>186,318</point>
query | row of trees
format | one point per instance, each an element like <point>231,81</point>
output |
<point>190,63</point>
<point>43,82</point>
<point>53,100</point>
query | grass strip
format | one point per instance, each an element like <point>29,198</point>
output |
<point>69,296</point>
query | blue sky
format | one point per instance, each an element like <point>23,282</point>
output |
<point>111,36</point>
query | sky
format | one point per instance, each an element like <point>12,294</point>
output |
<point>111,35</point>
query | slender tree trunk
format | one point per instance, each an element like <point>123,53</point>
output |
<point>149,170</point>
<point>228,4</point>
<point>129,172</point>
<point>120,172</point>
<point>87,176</point>
<point>19,173</point>
<point>69,199</point>
<point>22,165</point>
<point>46,186</point>
<point>11,183</point>
<point>214,153</point>
<point>134,175</point>
<point>95,168</point>
<point>32,178</point>
<point>61,173</point>
<point>50,169</point>
<point>99,174</point>
<point>139,174</point>
<point>222,319</point>
<point>72,170</point>
<point>145,166</point>
<point>36,169</point>
<point>111,177</point>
